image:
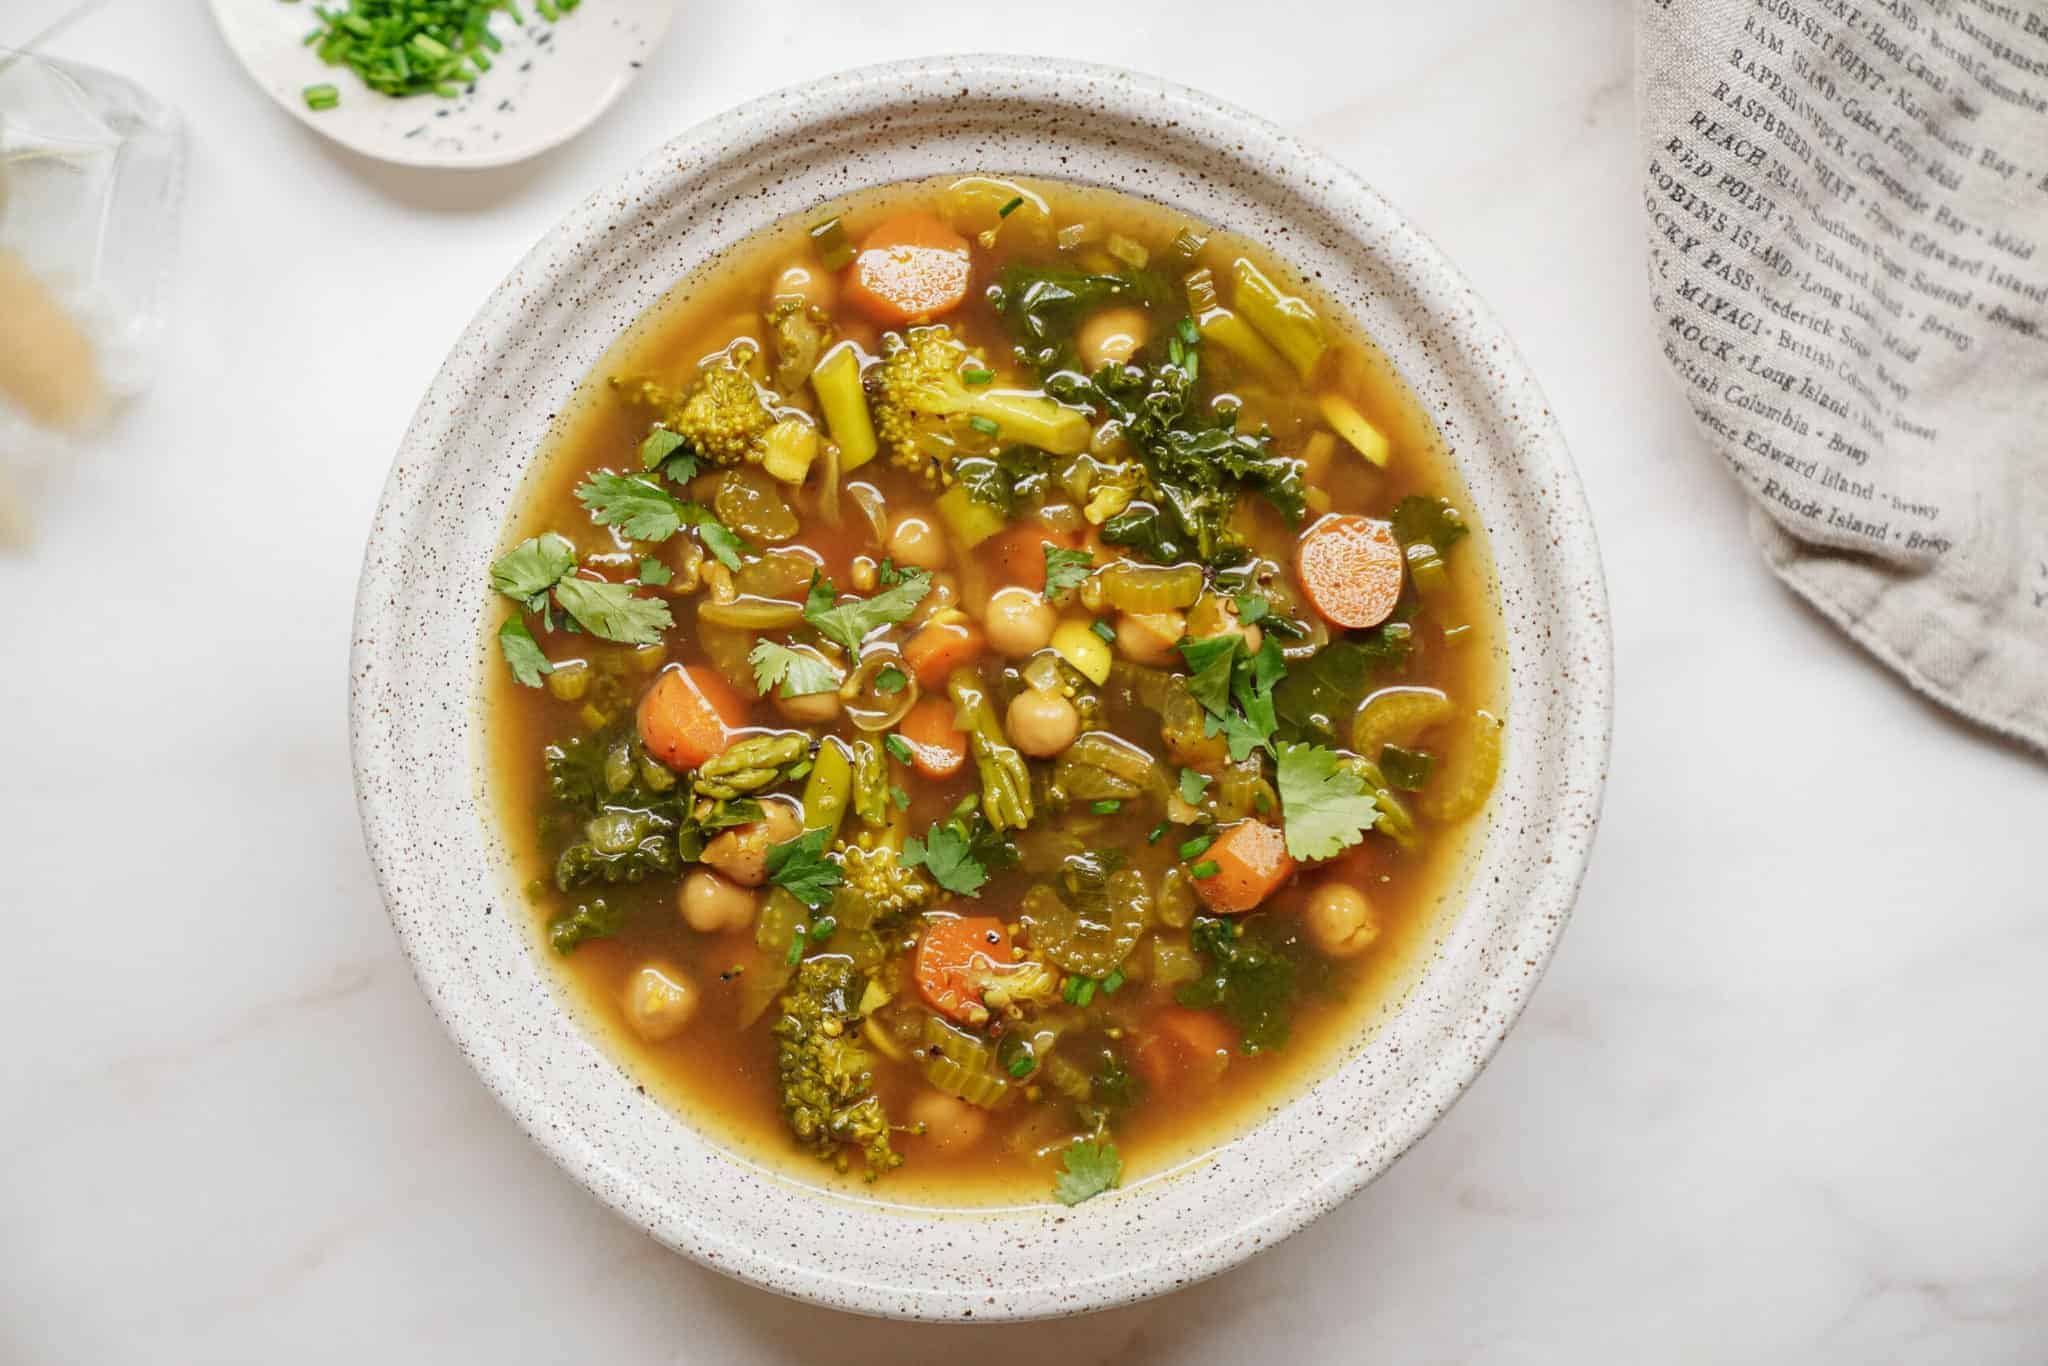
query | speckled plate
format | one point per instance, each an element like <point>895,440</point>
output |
<point>550,82</point>
<point>420,642</point>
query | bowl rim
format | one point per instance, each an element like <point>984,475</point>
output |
<point>1574,551</point>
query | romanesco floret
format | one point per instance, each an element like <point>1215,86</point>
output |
<point>723,417</point>
<point>927,412</point>
<point>827,1078</point>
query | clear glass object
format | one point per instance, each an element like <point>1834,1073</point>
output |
<point>91,183</point>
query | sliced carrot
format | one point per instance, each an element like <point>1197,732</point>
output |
<point>1350,567</point>
<point>938,748</point>
<point>1251,862</point>
<point>1183,1039</point>
<point>911,268</point>
<point>1020,553</point>
<point>954,956</point>
<point>688,716</point>
<point>939,647</point>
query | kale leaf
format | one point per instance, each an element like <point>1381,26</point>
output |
<point>1251,980</point>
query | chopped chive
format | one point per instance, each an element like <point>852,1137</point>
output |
<point>1021,1065</point>
<point>1085,992</point>
<point>1196,847</point>
<point>322,96</point>
<point>1114,981</point>
<point>977,376</point>
<point>796,946</point>
<point>898,747</point>
<point>1189,334</point>
<point>1208,867</point>
<point>822,931</point>
<point>985,425</point>
<point>1108,806</point>
<point>900,797</point>
<point>1157,831</point>
<point>890,680</point>
<point>1105,631</point>
<point>1011,207</point>
<point>1072,985</point>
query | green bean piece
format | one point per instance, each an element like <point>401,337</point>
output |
<point>870,784</point>
<point>829,786</point>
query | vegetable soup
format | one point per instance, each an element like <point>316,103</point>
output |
<point>998,681</point>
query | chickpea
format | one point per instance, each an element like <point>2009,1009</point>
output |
<point>948,1121</point>
<point>864,574</point>
<point>1111,336</point>
<point>1340,920</point>
<point>1042,724</point>
<point>712,905</point>
<point>812,709</point>
<point>659,1002</point>
<point>944,594</point>
<point>1019,622</point>
<point>1217,616</point>
<point>741,853</point>
<point>807,282</point>
<point>916,542</point>
<point>1149,637</point>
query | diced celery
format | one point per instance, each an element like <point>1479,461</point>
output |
<point>1368,440</point>
<point>1284,320</point>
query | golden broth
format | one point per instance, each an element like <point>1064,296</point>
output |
<point>722,1078</point>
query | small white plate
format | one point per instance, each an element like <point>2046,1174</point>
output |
<point>550,83</point>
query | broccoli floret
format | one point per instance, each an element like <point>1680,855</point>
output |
<point>927,412</point>
<point>827,1078</point>
<point>874,872</point>
<point>724,416</point>
<point>800,331</point>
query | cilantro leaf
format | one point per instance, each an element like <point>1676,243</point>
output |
<point>948,857</point>
<point>610,611</point>
<point>1065,569</point>
<point>1252,606</point>
<point>641,508</point>
<point>724,545</point>
<point>523,653</point>
<point>533,567</point>
<point>654,572</point>
<point>661,443</point>
<point>1087,1169</point>
<point>891,680</point>
<point>1209,662</point>
<point>797,672</point>
<point>849,623</point>
<point>1192,785</point>
<point>1324,803</point>
<point>800,867</point>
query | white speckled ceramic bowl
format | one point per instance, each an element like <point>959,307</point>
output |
<point>420,643</point>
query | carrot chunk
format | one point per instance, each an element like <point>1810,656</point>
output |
<point>938,748</point>
<point>938,648</point>
<point>954,958</point>
<point>1020,553</point>
<point>688,716</point>
<point>1182,1040</point>
<point>911,268</point>
<point>1251,862</point>
<point>1350,567</point>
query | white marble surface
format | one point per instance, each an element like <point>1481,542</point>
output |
<point>1781,1098</point>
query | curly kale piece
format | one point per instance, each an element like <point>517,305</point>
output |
<point>1195,458</point>
<point>632,815</point>
<point>592,920</point>
<point>1250,979</point>
<point>1043,307</point>
<point>826,1078</point>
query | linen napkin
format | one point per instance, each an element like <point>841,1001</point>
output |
<point>1847,210</point>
